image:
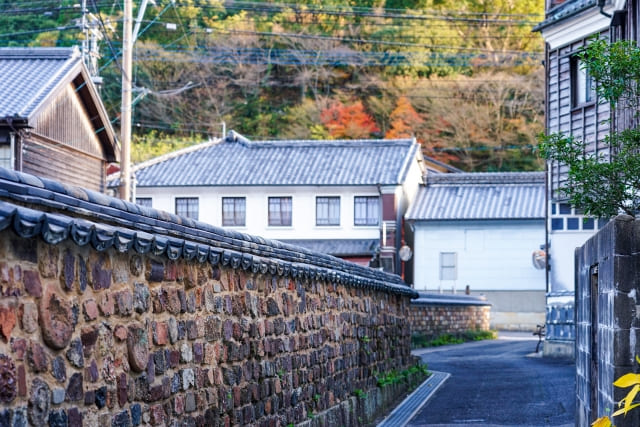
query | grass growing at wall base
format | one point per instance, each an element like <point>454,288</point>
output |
<point>422,341</point>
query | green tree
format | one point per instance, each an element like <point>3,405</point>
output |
<point>605,183</point>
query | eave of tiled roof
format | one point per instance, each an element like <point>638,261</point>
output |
<point>338,247</point>
<point>564,11</point>
<point>55,212</point>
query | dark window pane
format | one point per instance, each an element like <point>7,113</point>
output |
<point>187,207</point>
<point>565,208</point>
<point>588,224</point>
<point>280,211</point>
<point>557,223</point>
<point>553,208</point>
<point>233,211</point>
<point>573,223</point>
<point>366,210</point>
<point>144,201</point>
<point>327,210</point>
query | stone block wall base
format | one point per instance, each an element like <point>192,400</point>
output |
<point>559,349</point>
<point>364,410</point>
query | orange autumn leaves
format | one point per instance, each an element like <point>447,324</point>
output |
<point>352,121</point>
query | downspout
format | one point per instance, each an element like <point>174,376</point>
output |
<point>398,245</point>
<point>601,6</point>
<point>546,177</point>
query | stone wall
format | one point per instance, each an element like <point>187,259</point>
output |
<point>432,315</point>
<point>112,314</point>
<point>607,325</point>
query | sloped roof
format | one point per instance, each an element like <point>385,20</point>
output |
<point>477,196</point>
<point>565,10</point>
<point>30,76</point>
<point>338,247</point>
<point>236,161</point>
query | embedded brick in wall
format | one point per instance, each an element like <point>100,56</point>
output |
<point>432,315</point>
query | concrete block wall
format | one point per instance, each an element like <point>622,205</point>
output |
<point>112,316</point>
<point>607,319</point>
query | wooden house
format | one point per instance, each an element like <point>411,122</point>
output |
<point>52,121</point>
<point>573,108</point>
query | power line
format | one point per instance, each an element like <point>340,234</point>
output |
<point>363,41</point>
<point>368,13</point>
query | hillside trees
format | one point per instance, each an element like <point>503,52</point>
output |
<point>459,75</point>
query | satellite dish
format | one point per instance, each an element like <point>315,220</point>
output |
<point>539,259</point>
<point>405,253</point>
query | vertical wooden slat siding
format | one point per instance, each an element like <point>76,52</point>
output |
<point>66,120</point>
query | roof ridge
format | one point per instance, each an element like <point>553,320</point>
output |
<point>39,52</point>
<point>235,137</point>
<point>484,178</point>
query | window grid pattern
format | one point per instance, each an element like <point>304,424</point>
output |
<point>366,210</point>
<point>564,217</point>
<point>187,207</point>
<point>5,156</point>
<point>147,202</point>
<point>327,210</point>
<point>280,211</point>
<point>234,211</point>
<point>448,266</point>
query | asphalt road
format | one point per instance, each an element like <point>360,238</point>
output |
<point>496,383</point>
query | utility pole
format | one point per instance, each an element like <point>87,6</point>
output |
<point>125,111</point>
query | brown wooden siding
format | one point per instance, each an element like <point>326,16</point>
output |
<point>588,123</point>
<point>66,121</point>
<point>62,163</point>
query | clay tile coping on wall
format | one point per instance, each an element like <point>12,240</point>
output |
<point>426,298</point>
<point>35,206</point>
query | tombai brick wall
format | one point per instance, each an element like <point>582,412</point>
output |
<point>437,314</point>
<point>112,314</point>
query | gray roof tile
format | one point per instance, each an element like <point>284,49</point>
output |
<point>338,247</point>
<point>28,75</point>
<point>563,11</point>
<point>236,161</point>
<point>467,196</point>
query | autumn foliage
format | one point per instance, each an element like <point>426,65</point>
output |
<point>348,121</point>
<point>404,120</point>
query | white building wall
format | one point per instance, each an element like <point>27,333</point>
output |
<point>562,246</point>
<point>303,209</point>
<point>491,255</point>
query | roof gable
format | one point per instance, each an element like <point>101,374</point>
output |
<point>236,161</point>
<point>480,196</point>
<point>31,77</point>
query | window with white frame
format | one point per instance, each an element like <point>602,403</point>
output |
<point>366,210</point>
<point>583,84</point>
<point>234,211</point>
<point>187,207</point>
<point>448,266</point>
<point>280,211</point>
<point>6,158</point>
<point>327,210</point>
